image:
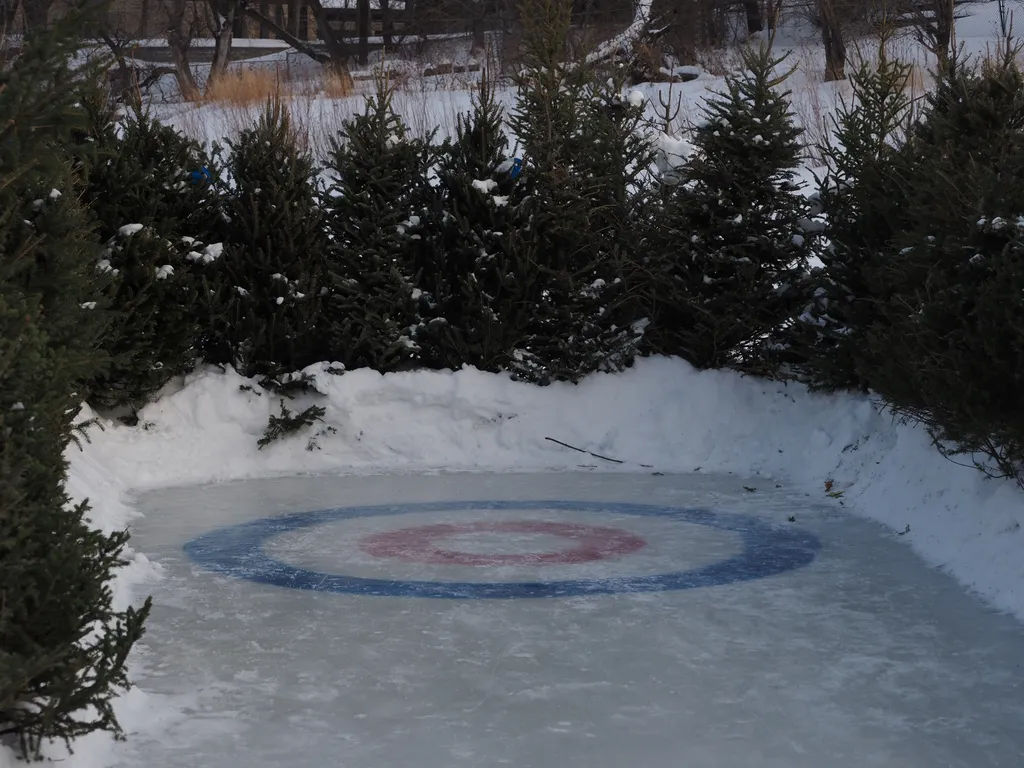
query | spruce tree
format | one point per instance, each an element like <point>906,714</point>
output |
<point>138,169</point>
<point>727,247</point>
<point>476,288</point>
<point>582,158</point>
<point>150,211</point>
<point>62,646</point>
<point>946,345</point>
<point>375,211</point>
<point>269,276</point>
<point>864,199</point>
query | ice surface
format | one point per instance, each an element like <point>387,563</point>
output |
<point>864,658</point>
<point>660,413</point>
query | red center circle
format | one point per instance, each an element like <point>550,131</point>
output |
<point>418,545</point>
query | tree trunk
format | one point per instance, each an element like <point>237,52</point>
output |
<point>8,10</point>
<point>304,22</point>
<point>944,16</point>
<point>178,42</point>
<point>182,71</point>
<point>832,38</point>
<point>387,24</point>
<point>223,33</point>
<point>479,46</point>
<point>625,40</point>
<point>933,27</point>
<point>36,14</point>
<point>755,21</point>
<point>122,81</point>
<point>363,25</point>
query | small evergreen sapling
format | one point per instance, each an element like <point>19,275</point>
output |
<point>580,202</point>
<point>136,175</point>
<point>153,324</point>
<point>865,202</point>
<point>727,247</point>
<point>289,423</point>
<point>946,345</point>
<point>375,212</point>
<point>270,272</point>
<point>475,288</point>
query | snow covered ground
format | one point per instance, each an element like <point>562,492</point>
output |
<point>660,416</point>
<point>429,103</point>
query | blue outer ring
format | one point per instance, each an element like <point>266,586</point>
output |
<point>768,550</point>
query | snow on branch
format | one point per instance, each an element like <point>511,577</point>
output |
<point>625,39</point>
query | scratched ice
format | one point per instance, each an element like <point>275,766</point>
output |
<point>860,656</point>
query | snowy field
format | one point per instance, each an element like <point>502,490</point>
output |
<point>432,103</point>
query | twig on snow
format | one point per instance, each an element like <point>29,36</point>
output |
<point>591,453</point>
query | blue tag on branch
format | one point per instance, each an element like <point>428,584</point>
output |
<point>202,175</point>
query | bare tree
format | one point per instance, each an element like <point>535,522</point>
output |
<point>334,53</point>
<point>832,38</point>
<point>187,20</point>
<point>8,12</point>
<point>221,21</point>
<point>181,31</point>
<point>754,14</point>
<point>36,13</point>
<point>933,22</point>
<point>624,41</point>
<point>773,12</point>
<point>127,78</point>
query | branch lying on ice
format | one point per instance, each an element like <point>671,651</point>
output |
<point>625,39</point>
<point>590,453</point>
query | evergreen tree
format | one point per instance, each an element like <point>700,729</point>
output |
<point>150,210</point>
<point>582,158</point>
<point>140,170</point>
<point>376,211</point>
<point>946,345</point>
<point>270,275</point>
<point>62,646</point>
<point>865,201</point>
<point>475,288</point>
<point>727,247</point>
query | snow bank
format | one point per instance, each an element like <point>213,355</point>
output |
<point>661,415</point>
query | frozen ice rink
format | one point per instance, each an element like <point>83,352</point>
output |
<point>559,621</point>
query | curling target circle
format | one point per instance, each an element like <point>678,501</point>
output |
<point>419,544</point>
<point>767,550</point>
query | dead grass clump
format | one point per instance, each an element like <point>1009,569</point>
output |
<point>245,87</point>
<point>336,85</point>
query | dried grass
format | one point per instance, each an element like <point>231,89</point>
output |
<point>336,85</point>
<point>317,108</point>
<point>243,87</point>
